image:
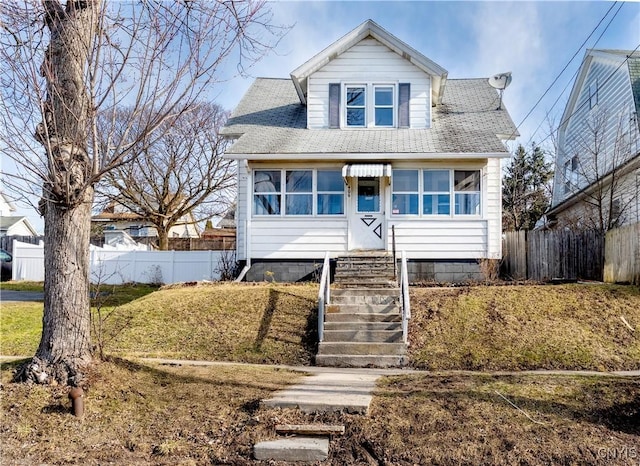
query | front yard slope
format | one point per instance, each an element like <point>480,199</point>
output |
<point>262,323</point>
<point>526,327</point>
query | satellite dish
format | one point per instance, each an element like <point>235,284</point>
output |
<point>500,81</point>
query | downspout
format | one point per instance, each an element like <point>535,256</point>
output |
<point>247,225</point>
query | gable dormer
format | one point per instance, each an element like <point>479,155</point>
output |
<point>369,79</point>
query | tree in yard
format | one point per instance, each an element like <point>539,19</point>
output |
<point>181,173</point>
<point>599,171</point>
<point>525,189</point>
<point>67,70</point>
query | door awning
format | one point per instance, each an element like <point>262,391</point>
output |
<point>366,169</point>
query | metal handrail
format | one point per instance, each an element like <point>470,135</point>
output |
<point>324,295</point>
<point>406,303</point>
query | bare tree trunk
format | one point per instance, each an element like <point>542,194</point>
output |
<point>65,345</point>
<point>163,238</point>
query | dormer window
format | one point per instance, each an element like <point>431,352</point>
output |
<point>369,105</point>
<point>356,107</point>
<point>383,105</point>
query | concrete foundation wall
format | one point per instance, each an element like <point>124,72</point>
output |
<point>285,271</point>
<point>444,271</point>
<point>452,271</point>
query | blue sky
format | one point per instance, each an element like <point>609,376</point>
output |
<point>533,40</point>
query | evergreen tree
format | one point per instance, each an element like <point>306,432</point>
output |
<point>525,189</point>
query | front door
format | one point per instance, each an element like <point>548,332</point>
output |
<point>366,215</point>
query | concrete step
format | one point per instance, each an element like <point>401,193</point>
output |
<point>364,336</point>
<point>357,326</point>
<point>352,360</point>
<point>365,291</point>
<point>362,308</point>
<point>358,295</point>
<point>327,392</point>
<point>372,282</point>
<point>380,266</point>
<point>293,449</point>
<point>361,317</point>
<point>366,349</point>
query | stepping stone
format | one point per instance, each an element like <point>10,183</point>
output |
<point>293,449</point>
<point>327,392</point>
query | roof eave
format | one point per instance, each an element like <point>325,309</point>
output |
<point>367,156</point>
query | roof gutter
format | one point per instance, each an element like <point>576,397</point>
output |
<point>369,156</point>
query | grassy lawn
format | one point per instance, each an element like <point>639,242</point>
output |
<point>22,286</point>
<point>478,328</point>
<point>150,414</point>
<point>525,327</point>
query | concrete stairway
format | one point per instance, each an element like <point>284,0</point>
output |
<point>365,270</point>
<point>363,322</point>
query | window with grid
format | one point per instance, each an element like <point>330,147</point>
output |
<point>330,192</point>
<point>405,194</point>
<point>299,192</point>
<point>467,192</point>
<point>436,198</point>
<point>266,192</point>
<point>383,106</point>
<point>356,106</point>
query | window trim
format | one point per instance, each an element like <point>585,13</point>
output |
<point>369,104</point>
<point>417,192</point>
<point>283,193</point>
<point>451,193</point>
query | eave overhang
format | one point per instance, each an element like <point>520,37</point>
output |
<point>371,156</point>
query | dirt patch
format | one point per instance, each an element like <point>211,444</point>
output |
<point>150,414</point>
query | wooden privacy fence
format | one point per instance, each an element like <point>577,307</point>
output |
<point>548,255</point>
<point>622,255</point>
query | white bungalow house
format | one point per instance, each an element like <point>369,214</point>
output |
<point>597,178</point>
<point>118,217</point>
<point>13,225</point>
<point>366,142</point>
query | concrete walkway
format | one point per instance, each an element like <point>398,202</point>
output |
<point>338,390</point>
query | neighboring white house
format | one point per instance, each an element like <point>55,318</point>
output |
<point>368,140</point>
<point>13,225</point>
<point>118,217</point>
<point>597,178</point>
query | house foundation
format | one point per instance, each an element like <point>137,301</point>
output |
<point>291,271</point>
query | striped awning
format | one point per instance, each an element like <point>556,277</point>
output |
<point>366,169</point>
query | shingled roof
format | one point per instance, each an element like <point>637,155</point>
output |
<point>271,120</point>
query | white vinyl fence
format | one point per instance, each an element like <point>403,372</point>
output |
<point>114,267</point>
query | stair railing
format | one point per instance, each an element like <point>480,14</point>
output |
<point>404,292</point>
<point>324,295</point>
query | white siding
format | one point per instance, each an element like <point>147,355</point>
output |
<point>614,106</point>
<point>241,211</point>
<point>369,61</point>
<point>282,237</point>
<point>438,239</point>
<point>493,208</point>
<point>307,238</point>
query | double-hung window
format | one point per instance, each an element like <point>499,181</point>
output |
<point>405,192</point>
<point>356,106</point>
<point>266,192</point>
<point>298,192</point>
<point>330,192</point>
<point>384,106</point>
<point>369,105</point>
<point>467,192</point>
<point>436,199</point>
